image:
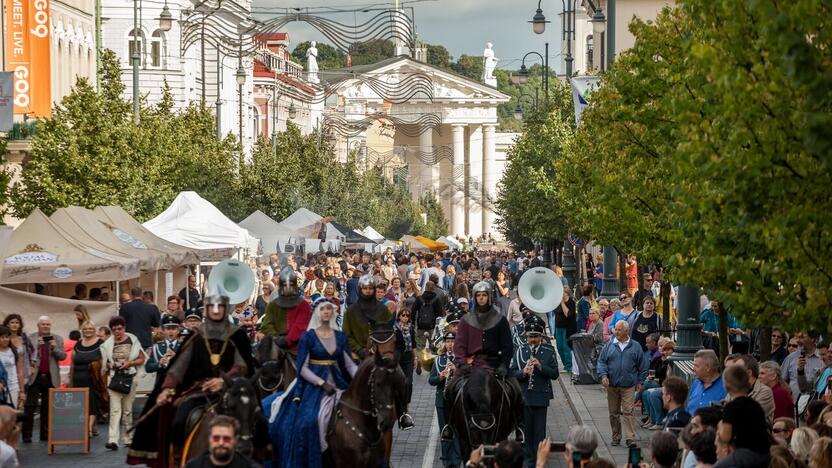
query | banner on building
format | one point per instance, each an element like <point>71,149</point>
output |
<point>28,33</point>
<point>582,88</point>
<point>6,101</point>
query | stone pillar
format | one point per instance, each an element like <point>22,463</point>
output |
<point>426,181</point>
<point>489,177</point>
<point>474,181</point>
<point>458,182</point>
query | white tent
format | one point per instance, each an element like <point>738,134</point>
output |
<point>304,222</point>
<point>452,243</point>
<point>372,234</point>
<point>270,232</point>
<point>193,222</point>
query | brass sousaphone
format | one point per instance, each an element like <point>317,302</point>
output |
<point>234,279</point>
<point>540,290</point>
<point>426,357</point>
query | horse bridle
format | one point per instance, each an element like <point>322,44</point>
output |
<point>224,404</point>
<point>495,420</point>
<point>372,412</point>
<point>260,377</point>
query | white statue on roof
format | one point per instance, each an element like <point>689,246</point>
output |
<point>489,62</point>
<point>312,63</point>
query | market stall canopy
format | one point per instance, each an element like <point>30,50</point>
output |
<point>270,232</point>
<point>125,226</point>
<point>41,252</point>
<point>350,236</point>
<point>432,244</point>
<point>304,222</point>
<point>450,241</point>
<point>86,227</point>
<point>31,306</point>
<point>372,234</point>
<point>193,222</point>
<point>413,244</point>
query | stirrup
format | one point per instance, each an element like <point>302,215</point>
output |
<point>405,422</point>
<point>447,433</point>
<point>519,436</point>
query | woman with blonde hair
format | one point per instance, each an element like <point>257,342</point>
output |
<point>801,444</point>
<point>85,355</point>
<point>820,456</point>
<point>81,315</point>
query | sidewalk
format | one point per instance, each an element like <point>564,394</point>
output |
<point>589,403</point>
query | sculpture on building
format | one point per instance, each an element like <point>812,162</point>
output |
<point>312,63</point>
<point>489,64</point>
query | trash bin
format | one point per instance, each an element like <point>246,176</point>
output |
<point>583,358</point>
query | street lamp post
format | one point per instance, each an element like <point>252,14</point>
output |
<point>241,80</point>
<point>518,109</point>
<point>219,93</point>
<point>568,29</point>
<point>136,60</point>
<point>522,76</point>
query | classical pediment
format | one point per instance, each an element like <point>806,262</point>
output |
<point>402,79</point>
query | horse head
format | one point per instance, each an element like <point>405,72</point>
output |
<point>383,383</point>
<point>382,344</point>
<point>240,402</point>
<point>482,398</point>
<point>272,360</point>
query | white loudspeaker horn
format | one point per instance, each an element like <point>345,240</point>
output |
<point>234,279</point>
<point>541,290</point>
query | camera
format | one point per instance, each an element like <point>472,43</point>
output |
<point>557,447</point>
<point>47,338</point>
<point>488,451</point>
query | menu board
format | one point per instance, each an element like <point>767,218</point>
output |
<point>69,417</point>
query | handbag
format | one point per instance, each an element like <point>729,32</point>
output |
<point>121,382</point>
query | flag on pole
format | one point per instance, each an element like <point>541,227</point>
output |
<point>582,88</point>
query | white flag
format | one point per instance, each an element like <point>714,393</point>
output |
<point>582,88</point>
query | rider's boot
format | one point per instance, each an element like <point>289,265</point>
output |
<point>405,422</point>
<point>447,433</point>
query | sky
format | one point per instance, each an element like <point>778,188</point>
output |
<point>463,26</point>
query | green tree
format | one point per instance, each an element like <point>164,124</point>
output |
<point>438,56</point>
<point>469,66</point>
<point>364,53</point>
<point>328,57</point>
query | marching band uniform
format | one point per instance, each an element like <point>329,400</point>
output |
<point>161,348</point>
<point>450,452</point>
<point>537,387</point>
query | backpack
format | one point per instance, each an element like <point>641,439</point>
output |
<point>425,317</point>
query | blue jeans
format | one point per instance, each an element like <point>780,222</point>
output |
<point>651,399</point>
<point>563,348</point>
<point>550,317</point>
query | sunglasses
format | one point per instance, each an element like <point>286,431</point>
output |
<point>776,336</point>
<point>623,297</point>
<point>221,438</point>
<point>404,315</point>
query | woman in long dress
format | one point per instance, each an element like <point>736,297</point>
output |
<point>326,368</point>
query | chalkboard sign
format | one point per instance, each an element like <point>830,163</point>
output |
<point>69,417</point>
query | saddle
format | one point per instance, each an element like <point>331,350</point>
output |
<point>194,417</point>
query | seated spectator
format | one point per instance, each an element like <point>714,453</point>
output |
<point>664,450</point>
<point>761,393</point>
<point>705,418</point>
<point>736,382</point>
<point>801,444</point>
<point>813,410</point>
<point>822,380</point>
<point>782,457</point>
<point>778,345</point>
<point>580,439</point>
<point>783,403</point>
<point>703,448</point>
<point>742,437</point>
<point>674,394</point>
<point>508,454</point>
<point>821,454</point>
<point>708,386</point>
<point>782,430</point>
<point>651,397</point>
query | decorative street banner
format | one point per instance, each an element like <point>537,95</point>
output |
<point>6,101</point>
<point>582,88</point>
<point>28,55</point>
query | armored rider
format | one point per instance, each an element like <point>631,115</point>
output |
<point>534,365</point>
<point>360,319</point>
<point>483,339</point>
<point>287,316</point>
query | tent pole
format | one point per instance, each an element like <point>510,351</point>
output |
<point>156,288</point>
<point>187,290</point>
<point>118,295</point>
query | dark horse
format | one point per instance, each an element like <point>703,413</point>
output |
<point>277,368</point>
<point>360,433</point>
<point>241,402</point>
<point>481,412</point>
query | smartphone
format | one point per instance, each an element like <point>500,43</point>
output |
<point>577,457</point>
<point>803,354</point>
<point>634,457</point>
<point>557,447</point>
<point>488,451</point>
<point>651,374</point>
<point>47,338</point>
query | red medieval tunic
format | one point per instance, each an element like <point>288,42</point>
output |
<point>491,347</point>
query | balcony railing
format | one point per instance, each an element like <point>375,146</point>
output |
<point>23,130</point>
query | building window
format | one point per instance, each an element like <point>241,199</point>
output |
<point>255,123</point>
<point>589,44</point>
<point>135,44</point>
<point>158,51</point>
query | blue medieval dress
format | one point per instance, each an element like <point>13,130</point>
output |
<point>297,429</point>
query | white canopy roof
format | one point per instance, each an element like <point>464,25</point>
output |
<point>303,221</point>
<point>452,243</point>
<point>269,231</point>
<point>193,222</point>
<point>372,233</point>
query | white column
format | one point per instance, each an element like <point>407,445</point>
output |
<point>426,179</point>
<point>489,177</point>
<point>474,182</point>
<point>458,182</point>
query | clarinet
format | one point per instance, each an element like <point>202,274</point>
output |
<point>530,368</point>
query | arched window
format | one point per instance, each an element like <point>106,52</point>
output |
<point>255,123</point>
<point>158,49</point>
<point>136,43</point>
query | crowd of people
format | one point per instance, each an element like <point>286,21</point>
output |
<point>740,412</point>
